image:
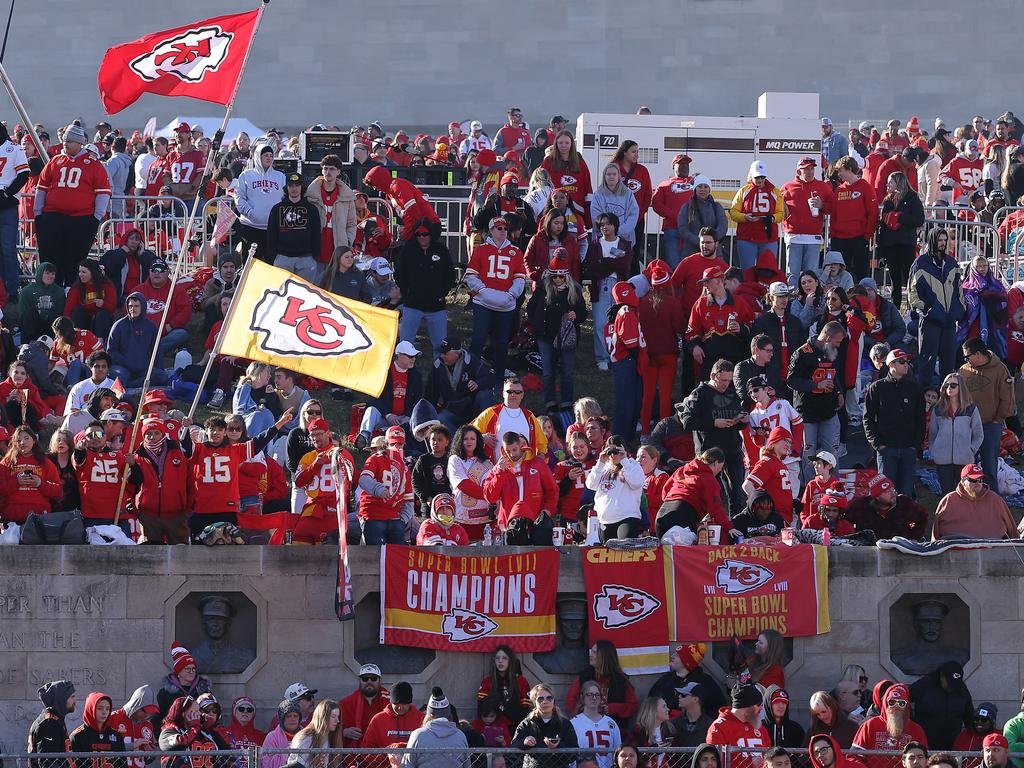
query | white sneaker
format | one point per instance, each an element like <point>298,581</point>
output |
<point>218,398</point>
<point>602,365</point>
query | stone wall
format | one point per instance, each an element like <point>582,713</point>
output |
<point>414,63</point>
<point>105,618</point>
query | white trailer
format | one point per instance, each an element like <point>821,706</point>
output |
<point>787,128</point>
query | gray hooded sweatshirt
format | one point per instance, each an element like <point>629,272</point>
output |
<point>440,733</point>
<point>258,190</point>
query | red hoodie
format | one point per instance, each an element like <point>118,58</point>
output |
<point>795,195</point>
<point>887,169</point>
<point>855,212</point>
<point>357,713</point>
<point>181,305</point>
<point>19,500</point>
<point>873,733</point>
<point>245,736</point>
<point>764,272</point>
<point>729,730</point>
<point>386,729</point>
<point>697,485</point>
<point>840,760</point>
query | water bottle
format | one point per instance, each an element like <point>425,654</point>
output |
<point>826,536</point>
<point>488,535</point>
<point>593,530</point>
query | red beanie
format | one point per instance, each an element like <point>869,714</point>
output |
<point>180,657</point>
<point>691,655</point>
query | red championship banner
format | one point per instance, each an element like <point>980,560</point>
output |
<point>626,605</point>
<point>741,590</point>
<point>476,603</point>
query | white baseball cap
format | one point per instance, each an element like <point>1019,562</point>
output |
<point>778,288</point>
<point>298,690</point>
<point>758,168</point>
<point>476,125</point>
<point>406,348</point>
<point>369,669</point>
<point>113,414</point>
<point>380,266</point>
<point>827,457</point>
<point>865,126</point>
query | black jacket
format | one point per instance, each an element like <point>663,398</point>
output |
<point>941,713</point>
<point>449,388</point>
<point>351,285</point>
<point>49,733</point>
<point>293,229</point>
<point>807,367</point>
<point>744,371</point>
<point>429,478</point>
<point>772,326</point>
<point>749,524</point>
<point>546,318</point>
<point>413,393</point>
<point>539,756</point>
<point>911,212</point>
<point>699,411</point>
<point>113,263</point>
<point>689,734</point>
<point>425,277</point>
<point>894,413</point>
<point>713,699</point>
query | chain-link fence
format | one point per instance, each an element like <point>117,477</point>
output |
<point>194,758</point>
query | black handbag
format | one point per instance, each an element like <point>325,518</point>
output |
<point>54,528</point>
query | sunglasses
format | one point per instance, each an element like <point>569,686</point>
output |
<point>311,412</point>
<point>234,429</point>
<point>975,480</point>
<point>513,391</point>
<point>246,710</point>
<point>500,229</point>
<point>547,698</point>
<point>369,678</point>
<point>422,234</point>
<point>898,703</point>
<point>951,385</point>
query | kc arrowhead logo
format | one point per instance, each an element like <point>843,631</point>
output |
<point>461,626</point>
<point>617,606</point>
<point>297,320</point>
<point>736,577</point>
<point>188,56</point>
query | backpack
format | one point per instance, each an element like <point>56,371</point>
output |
<point>54,528</point>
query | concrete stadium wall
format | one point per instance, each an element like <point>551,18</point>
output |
<point>105,617</point>
<point>411,63</point>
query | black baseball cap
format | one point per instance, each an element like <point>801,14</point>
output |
<point>449,344</point>
<point>294,178</point>
<point>158,265</point>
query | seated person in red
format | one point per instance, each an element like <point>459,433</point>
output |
<point>441,529</point>
<point>524,490</point>
<point>20,399</point>
<point>829,514</point>
<point>693,492</point>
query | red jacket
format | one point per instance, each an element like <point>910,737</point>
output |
<point>411,205</point>
<point>432,533</point>
<point>356,712</point>
<point>387,728</point>
<point>34,399</point>
<point>886,170</point>
<point>872,163</point>
<point>19,500</point>
<point>662,325</point>
<point>696,484</point>
<point>709,318</point>
<point>538,255</point>
<point>768,263</point>
<point>165,495</point>
<point>671,195</point>
<point>181,305</point>
<point>575,184</point>
<point>569,499</point>
<point>689,271</point>
<point>106,292</point>
<point>639,182</point>
<point>795,195</point>
<point>262,476</point>
<point>530,482</point>
<point>855,210</point>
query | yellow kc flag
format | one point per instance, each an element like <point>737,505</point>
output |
<point>280,319</point>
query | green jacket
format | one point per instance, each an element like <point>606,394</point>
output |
<point>45,300</point>
<point>1014,733</point>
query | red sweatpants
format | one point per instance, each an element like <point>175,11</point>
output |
<point>659,375</point>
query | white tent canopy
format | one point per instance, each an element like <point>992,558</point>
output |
<point>210,125</point>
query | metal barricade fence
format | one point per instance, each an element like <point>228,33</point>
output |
<point>1009,223</point>
<point>161,220</point>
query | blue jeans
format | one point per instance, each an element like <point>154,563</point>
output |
<point>672,247</point>
<point>565,359</point>
<point>801,256</point>
<point>935,342</point>
<point>628,396</point>
<point>989,453</point>
<point>130,380</point>
<point>899,465</point>
<point>819,436</point>
<point>9,249</point>
<point>171,342</point>
<point>377,532</point>
<point>747,252</point>
<point>77,371</point>
<point>600,307</point>
<point>497,325</point>
<point>437,326</point>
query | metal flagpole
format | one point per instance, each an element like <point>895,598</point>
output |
<point>187,236</point>
<point>239,283</point>
<point>10,15</point>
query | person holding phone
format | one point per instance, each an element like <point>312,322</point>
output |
<point>618,483</point>
<point>545,728</point>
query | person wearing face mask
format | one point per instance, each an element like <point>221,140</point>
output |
<point>162,499</point>
<point>441,529</point>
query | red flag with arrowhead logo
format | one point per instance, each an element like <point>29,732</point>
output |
<point>201,60</point>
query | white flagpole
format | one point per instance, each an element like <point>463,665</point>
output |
<point>23,113</point>
<point>187,237</point>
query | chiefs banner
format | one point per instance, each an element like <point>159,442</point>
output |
<point>741,590</point>
<point>281,319</point>
<point>626,605</point>
<point>433,600</point>
<point>201,60</point>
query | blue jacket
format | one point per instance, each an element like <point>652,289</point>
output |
<point>710,214</point>
<point>935,290</point>
<point>834,146</point>
<point>131,341</point>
